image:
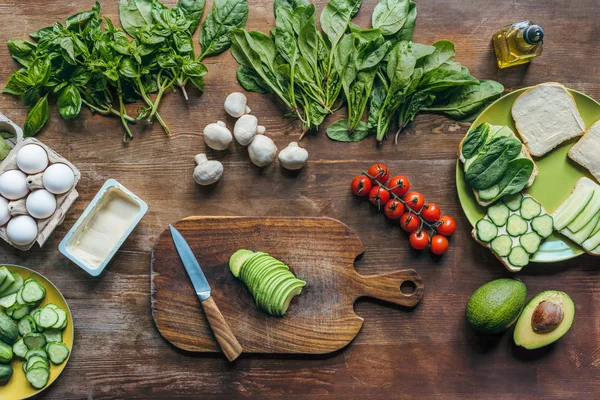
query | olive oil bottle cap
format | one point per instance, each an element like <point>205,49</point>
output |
<point>533,34</point>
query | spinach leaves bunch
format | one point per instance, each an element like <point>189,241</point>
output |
<point>89,62</point>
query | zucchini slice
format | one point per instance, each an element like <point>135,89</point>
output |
<point>543,225</point>
<point>38,377</point>
<point>516,225</point>
<point>486,231</point>
<point>501,245</point>
<point>499,213</point>
<point>530,242</point>
<point>58,352</point>
<point>518,257</point>
<point>513,201</point>
<point>489,193</point>
<point>530,208</point>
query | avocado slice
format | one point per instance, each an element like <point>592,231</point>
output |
<point>269,268</point>
<point>544,320</point>
<point>237,259</point>
<point>263,294</point>
<point>288,294</point>
<point>274,289</point>
<point>258,269</point>
<point>249,264</point>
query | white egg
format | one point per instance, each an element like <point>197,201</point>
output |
<point>32,159</point>
<point>58,178</point>
<point>41,204</point>
<point>4,212</point>
<point>13,184</point>
<point>22,230</point>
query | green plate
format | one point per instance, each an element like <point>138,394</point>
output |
<point>557,177</point>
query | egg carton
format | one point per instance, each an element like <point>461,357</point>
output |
<point>16,207</point>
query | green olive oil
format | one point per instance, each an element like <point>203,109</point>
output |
<point>518,43</point>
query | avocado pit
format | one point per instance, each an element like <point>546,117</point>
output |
<point>546,317</point>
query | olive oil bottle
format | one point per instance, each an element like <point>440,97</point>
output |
<point>518,43</point>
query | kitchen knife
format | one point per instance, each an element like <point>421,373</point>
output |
<point>229,344</point>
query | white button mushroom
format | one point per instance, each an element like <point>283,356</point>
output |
<point>293,157</point>
<point>245,128</point>
<point>217,136</point>
<point>235,104</point>
<point>207,172</point>
<point>262,151</point>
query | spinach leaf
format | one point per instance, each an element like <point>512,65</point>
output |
<point>516,177</point>
<point>225,16</point>
<point>69,102</point>
<point>291,4</point>
<point>36,117</point>
<point>444,51</point>
<point>193,10</point>
<point>389,16</point>
<point>475,140</point>
<point>335,18</point>
<point>467,101</point>
<point>406,33</point>
<point>376,100</point>
<point>491,164</point>
<point>135,15</point>
<point>251,81</point>
<point>338,131</point>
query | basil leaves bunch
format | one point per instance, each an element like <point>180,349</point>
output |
<point>89,62</point>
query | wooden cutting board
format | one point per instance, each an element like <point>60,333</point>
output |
<point>320,251</point>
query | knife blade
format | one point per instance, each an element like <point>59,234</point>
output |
<point>223,333</point>
<point>191,265</point>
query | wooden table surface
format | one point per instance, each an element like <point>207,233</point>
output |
<point>424,353</point>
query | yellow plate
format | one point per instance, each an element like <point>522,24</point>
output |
<point>18,387</point>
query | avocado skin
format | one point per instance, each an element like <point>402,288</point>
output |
<point>496,305</point>
<point>524,335</point>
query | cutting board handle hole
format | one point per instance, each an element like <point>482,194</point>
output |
<point>408,287</point>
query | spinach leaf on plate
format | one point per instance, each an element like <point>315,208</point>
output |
<point>491,163</point>
<point>475,140</point>
<point>516,177</point>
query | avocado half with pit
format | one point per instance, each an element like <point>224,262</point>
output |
<point>544,320</point>
<point>270,281</point>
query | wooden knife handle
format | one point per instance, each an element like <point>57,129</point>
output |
<point>229,344</point>
<point>386,287</point>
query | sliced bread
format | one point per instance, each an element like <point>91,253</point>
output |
<point>587,150</point>
<point>546,116</point>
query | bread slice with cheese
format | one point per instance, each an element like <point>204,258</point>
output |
<point>586,151</point>
<point>546,116</point>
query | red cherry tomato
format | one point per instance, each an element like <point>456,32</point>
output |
<point>415,201</point>
<point>393,209</point>
<point>379,196</point>
<point>399,185</point>
<point>379,172</point>
<point>419,240</point>
<point>439,244</point>
<point>409,222</point>
<point>430,212</point>
<point>447,226</point>
<point>361,185</point>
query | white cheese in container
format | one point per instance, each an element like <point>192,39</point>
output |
<point>103,227</point>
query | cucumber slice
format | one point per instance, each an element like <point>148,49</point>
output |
<point>36,352</point>
<point>584,233</point>
<point>530,242</point>
<point>587,214</point>
<point>62,319</point>
<point>516,225</point>
<point>33,292</point>
<point>34,340</point>
<point>572,207</point>
<point>48,317</point>
<point>489,193</point>
<point>8,281</point>
<point>38,377</point>
<point>502,245</point>
<point>486,231</point>
<point>14,286</point>
<point>513,201</point>
<point>27,325</point>
<point>20,312</point>
<point>34,360</point>
<point>237,259</point>
<point>38,364</point>
<point>4,273</point>
<point>58,352</point>
<point>499,213</point>
<point>543,225</point>
<point>518,257</point>
<point>530,208</point>
<point>19,348</point>
<point>53,335</point>
<point>592,242</point>
<point>8,301</point>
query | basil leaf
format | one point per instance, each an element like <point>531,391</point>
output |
<point>39,71</point>
<point>516,177</point>
<point>225,16</point>
<point>135,15</point>
<point>338,131</point>
<point>22,51</point>
<point>18,84</point>
<point>389,16</point>
<point>491,164</point>
<point>82,18</point>
<point>69,102</point>
<point>36,117</point>
<point>475,140</point>
<point>193,10</point>
<point>4,149</point>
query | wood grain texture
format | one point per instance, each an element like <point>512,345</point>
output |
<point>320,251</point>
<point>427,353</point>
<point>228,343</point>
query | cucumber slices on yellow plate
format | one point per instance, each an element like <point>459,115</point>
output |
<point>555,181</point>
<point>52,346</point>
